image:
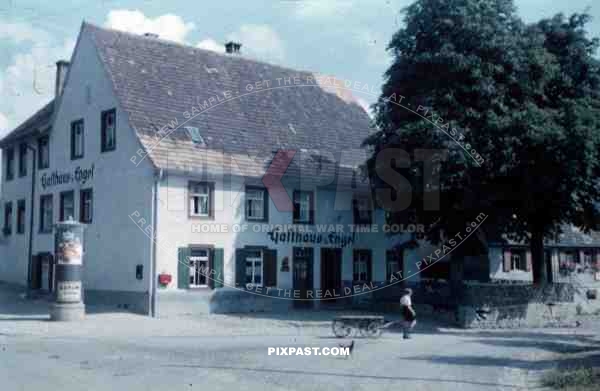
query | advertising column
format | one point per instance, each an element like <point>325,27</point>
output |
<point>68,305</point>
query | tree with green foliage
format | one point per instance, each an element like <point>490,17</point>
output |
<point>516,109</point>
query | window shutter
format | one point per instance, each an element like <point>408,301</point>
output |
<point>296,207</point>
<point>312,208</point>
<point>240,267</point>
<point>506,262</point>
<point>528,258</point>
<point>183,268</point>
<point>266,206</point>
<point>217,259</point>
<point>103,131</point>
<point>270,266</point>
<point>211,200</point>
<point>369,266</point>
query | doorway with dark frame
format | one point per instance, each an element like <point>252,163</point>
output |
<point>331,274</point>
<point>303,275</point>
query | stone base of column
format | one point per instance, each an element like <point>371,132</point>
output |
<point>67,312</point>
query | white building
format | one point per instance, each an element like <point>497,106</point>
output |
<point>150,139</point>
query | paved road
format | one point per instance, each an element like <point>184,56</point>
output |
<point>111,351</point>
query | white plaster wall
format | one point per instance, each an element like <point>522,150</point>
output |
<point>13,248</point>
<point>175,229</point>
<point>114,245</point>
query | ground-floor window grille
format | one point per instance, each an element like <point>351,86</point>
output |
<point>254,267</point>
<point>199,267</point>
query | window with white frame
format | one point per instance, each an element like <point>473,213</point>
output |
<point>393,264</point>
<point>22,159</point>
<point>570,257</point>
<point>86,205</point>
<point>10,164</point>
<point>518,260</point>
<point>254,267</point>
<point>67,205</point>
<point>21,216</point>
<point>588,258</point>
<point>46,213</point>
<point>255,204</point>
<point>199,267</point>
<point>43,153</point>
<point>200,199</point>
<point>303,207</point>
<point>108,137</point>
<point>77,139</point>
<point>8,213</point>
<point>361,265</point>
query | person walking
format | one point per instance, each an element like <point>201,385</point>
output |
<point>408,313</point>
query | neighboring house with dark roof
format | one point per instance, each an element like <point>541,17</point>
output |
<point>574,256</point>
<point>25,149</point>
<point>149,139</point>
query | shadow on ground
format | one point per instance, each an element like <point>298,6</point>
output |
<point>343,374</point>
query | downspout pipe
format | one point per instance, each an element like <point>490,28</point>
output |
<point>31,206</point>
<point>153,276</point>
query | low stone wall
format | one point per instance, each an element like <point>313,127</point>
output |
<point>494,305</point>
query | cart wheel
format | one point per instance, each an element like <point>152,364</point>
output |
<point>372,330</point>
<point>340,329</point>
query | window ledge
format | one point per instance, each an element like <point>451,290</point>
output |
<point>195,217</point>
<point>263,220</point>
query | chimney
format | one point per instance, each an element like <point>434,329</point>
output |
<point>62,67</point>
<point>233,47</point>
<point>150,35</point>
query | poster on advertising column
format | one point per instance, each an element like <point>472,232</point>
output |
<point>69,248</point>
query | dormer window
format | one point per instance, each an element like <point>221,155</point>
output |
<point>194,134</point>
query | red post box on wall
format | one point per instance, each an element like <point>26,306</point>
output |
<point>164,279</point>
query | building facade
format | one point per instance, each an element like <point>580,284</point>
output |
<point>180,160</point>
<point>198,173</point>
<point>574,256</point>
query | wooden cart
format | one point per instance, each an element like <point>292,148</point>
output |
<point>366,325</point>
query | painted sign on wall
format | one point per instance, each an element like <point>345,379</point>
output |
<point>78,175</point>
<point>334,239</point>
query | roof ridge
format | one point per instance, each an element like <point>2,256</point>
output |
<point>186,46</point>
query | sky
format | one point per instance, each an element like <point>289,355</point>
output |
<point>346,38</point>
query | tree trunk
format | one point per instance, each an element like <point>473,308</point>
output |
<point>540,277</point>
